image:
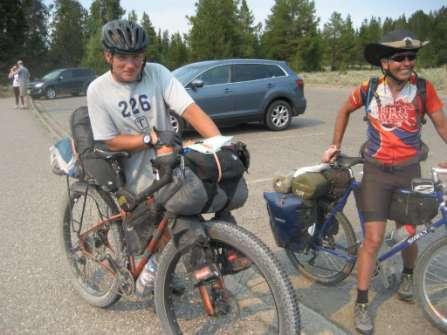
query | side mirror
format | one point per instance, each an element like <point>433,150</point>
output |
<point>60,77</point>
<point>196,83</point>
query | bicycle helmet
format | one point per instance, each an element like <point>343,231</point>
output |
<point>125,37</point>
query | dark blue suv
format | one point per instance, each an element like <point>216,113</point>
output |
<point>233,91</point>
<point>72,81</point>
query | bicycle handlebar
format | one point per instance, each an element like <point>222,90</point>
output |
<point>436,171</point>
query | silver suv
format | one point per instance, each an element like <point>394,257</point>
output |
<point>233,91</point>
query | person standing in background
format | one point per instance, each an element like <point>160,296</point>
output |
<point>14,76</point>
<point>23,80</point>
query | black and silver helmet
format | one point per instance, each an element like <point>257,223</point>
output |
<point>122,36</point>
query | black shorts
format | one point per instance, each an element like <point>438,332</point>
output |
<point>378,186</point>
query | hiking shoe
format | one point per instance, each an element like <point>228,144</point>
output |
<point>405,291</point>
<point>362,321</point>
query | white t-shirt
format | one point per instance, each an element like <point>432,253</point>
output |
<point>15,80</point>
<point>117,108</point>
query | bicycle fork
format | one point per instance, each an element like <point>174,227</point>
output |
<point>214,297</point>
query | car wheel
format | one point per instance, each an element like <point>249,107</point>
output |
<point>278,115</point>
<point>177,123</point>
<point>50,93</point>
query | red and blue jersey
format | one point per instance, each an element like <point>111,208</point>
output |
<point>394,126</point>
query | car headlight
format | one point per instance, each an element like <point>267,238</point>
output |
<point>38,85</point>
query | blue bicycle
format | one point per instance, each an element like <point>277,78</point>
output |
<point>324,247</point>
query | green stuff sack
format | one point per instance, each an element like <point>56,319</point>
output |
<point>309,185</point>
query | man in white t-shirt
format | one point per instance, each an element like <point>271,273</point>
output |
<point>125,103</point>
<point>23,80</point>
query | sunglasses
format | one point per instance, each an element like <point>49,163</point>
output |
<point>401,57</point>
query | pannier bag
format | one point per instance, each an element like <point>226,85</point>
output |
<point>413,207</point>
<point>105,173</point>
<point>290,217</point>
<point>309,185</point>
<point>338,180</point>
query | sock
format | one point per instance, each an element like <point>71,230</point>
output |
<point>407,271</point>
<point>362,296</point>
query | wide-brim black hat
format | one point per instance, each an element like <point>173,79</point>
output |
<point>393,42</point>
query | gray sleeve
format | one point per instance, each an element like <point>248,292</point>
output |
<point>103,126</point>
<point>174,93</point>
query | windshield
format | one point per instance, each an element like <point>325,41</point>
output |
<point>52,75</point>
<point>186,73</point>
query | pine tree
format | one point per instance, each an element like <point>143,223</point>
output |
<point>68,33</point>
<point>132,16</point>
<point>178,52</point>
<point>291,34</point>
<point>214,30</point>
<point>332,34</point>
<point>13,29</point>
<point>249,39</point>
<point>101,11</point>
<point>36,37</point>
<point>153,49</point>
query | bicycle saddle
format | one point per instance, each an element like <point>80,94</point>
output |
<point>106,154</point>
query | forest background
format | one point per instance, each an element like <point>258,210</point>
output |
<point>65,34</point>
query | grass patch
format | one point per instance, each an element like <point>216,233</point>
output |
<point>352,78</point>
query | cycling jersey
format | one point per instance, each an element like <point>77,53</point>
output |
<point>393,134</point>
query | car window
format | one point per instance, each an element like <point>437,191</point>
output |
<point>185,73</point>
<point>244,72</point>
<point>67,74</point>
<point>79,73</point>
<point>52,75</point>
<point>216,75</point>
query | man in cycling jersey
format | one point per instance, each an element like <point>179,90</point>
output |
<point>392,151</point>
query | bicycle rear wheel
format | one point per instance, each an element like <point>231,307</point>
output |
<point>431,283</point>
<point>259,299</point>
<point>82,211</point>
<point>325,260</point>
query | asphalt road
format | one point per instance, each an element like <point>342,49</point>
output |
<point>35,296</point>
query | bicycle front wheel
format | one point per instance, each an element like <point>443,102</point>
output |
<point>259,299</point>
<point>431,283</point>
<point>327,260</point>
<point>85,208</point>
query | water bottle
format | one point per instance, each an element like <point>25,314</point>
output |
<point>400,234</point>
<point>145,281</point>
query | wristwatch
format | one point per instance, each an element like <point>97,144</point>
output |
<point>147,139</point>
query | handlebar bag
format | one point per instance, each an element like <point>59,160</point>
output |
<point>338,181</point>
<point>409,207</point>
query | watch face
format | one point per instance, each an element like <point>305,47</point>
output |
<point>146,139</point>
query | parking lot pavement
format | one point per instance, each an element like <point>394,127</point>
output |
<point>279,152</point>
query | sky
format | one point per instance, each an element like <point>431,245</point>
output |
<point>171,14</point>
